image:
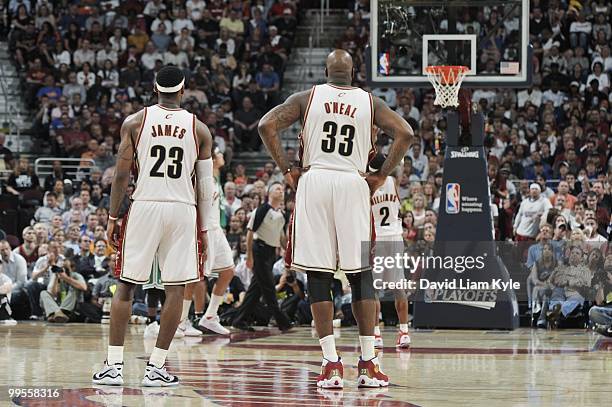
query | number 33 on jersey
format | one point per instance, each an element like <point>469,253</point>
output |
<point>337,129</point>
<point>166,153</point>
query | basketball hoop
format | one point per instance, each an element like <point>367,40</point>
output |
<point>446,81</point>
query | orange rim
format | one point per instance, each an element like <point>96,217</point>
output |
<point>447,74</point>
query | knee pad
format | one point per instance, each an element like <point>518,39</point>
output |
<point>362,286</point>
<point>319,286</point>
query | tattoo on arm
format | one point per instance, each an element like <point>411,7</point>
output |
<point>276,120</point>
<point>125,159</point>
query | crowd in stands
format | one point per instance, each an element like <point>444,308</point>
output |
<point>87,66</point>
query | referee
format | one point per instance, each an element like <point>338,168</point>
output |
<point>265,233</point>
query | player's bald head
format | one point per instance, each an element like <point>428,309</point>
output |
<point>339,65</point>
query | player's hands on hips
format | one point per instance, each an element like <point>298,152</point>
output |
<point>375,180</point>
<point>110,233</point>
<point>292,177</point>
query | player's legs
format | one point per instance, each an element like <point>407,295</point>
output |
<point>121,311</point>
<point>169,319</point>
<point>220,264</point>
<point>355,234</point>
<point>193,291</point>
<point>134,262</point>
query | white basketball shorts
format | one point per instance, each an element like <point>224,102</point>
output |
<point>219,253</point>
<point>332,223</point>
<point>168,228</point>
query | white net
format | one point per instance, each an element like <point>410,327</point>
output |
<point>446,81</point>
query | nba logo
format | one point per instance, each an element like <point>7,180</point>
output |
<point>452,198</point>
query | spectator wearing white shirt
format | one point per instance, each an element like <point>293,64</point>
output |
<point>531,210</point>
<point>233,203</point>
<point>153,8</point>
<point>195,9</point>
<point>580,32</point>
<point>162,18</point>
<point>420,162</point>
<point>14,265</point>
<point>604,81</point>
<point>533,95</point>
<point>388,95</point>
<point>118,42</point>
<point>106,53</point>
<point>84,55</point>
<point>176,57</point>
<point>85,77</point>
<point>149,57</point>
<point>182,22</point>
<point>554,95</point>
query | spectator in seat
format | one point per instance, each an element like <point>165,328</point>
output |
<point>49,90</point>
<point>286,25</point>
<point>102,292</point>
<point>160,38</point>
<point>150,56</point>
<point>40,277</point>
<point>233,24</point>
<point>51,208</point>
<point>600,213</point>
<point>601,313</point>
<point>233,203</point>
<point>23,181</point>
<point>72,241</point>
<point>90,227</point>
<point>86,77</point>
<point>570,284</point>
<point>6,286</point>
<point>269,83</point>
<point>76,208</point>
<point>245,122</point>
<point>138,40</point>
<point>28,249</point>
<point>96,263</point>
<point>193,93</point>
<point>63,294</point>
<point>13,264</point>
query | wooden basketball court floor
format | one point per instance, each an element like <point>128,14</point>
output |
<point>266,368</point>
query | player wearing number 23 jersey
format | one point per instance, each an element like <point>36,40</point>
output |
<point>166,151</point>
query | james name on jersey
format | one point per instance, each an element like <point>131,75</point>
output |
<point>168,130</point>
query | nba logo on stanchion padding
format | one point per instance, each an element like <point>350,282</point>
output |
<point>452,198</point>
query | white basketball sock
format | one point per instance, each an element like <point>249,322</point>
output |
<point>404,327</point>
<point>114,355</point>
<point>377,330</point>
<point>213,306</point>
<point>328,345</point>
<point>158,357</point>
<point>186,307</point>
<point>367,347</point>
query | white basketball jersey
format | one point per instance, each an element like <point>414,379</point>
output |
<point>337,130</point>
<point>166,154</point>
<point>385,209</point>
<point>214,216</point>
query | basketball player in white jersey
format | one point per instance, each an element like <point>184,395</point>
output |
<point>389,242</point>
<point>219,264</point>
<point>168,147</point>
<point>332,216</point>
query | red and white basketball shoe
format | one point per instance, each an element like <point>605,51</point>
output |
<point>403,340</point>
<point>370,375</point>
<point>331,375</point>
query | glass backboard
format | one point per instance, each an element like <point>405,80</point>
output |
<point>490,37</point>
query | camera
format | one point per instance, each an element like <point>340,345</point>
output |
<point>56,269</point>
<point>291,277</point>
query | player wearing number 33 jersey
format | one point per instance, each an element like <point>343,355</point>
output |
<point>332,213</point>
